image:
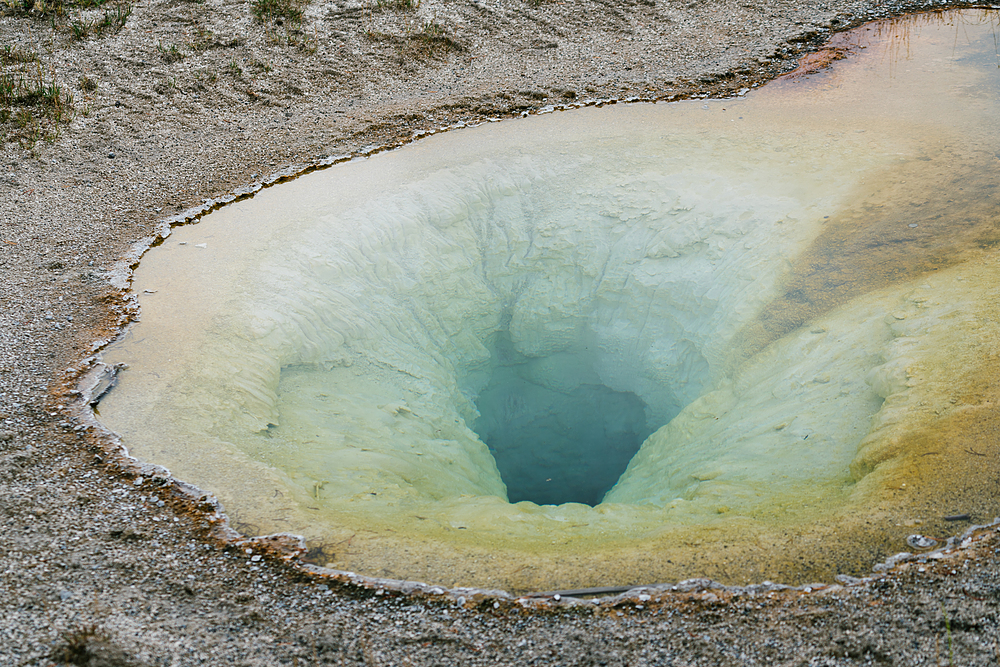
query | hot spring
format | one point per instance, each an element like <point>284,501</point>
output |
<point>745,339</point>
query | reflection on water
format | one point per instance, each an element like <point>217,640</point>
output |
<point>793,295</point>
<point>902,227</point>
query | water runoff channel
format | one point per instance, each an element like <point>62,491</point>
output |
<point>745,339</point>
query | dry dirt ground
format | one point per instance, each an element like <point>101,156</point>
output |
<point>180,101</point>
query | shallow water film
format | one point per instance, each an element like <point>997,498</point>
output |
<point>744,339</point>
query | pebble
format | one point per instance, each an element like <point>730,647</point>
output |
<point>921,541</point>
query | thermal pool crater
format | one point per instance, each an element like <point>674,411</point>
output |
<point>744,339</point>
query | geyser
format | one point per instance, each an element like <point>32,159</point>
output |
<point>743,339</point>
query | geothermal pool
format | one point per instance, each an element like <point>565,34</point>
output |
<point>746,339</point>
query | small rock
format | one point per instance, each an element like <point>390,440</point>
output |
<point>6,436</point>
<point>65,595</point>
<point>126,534</point>
<point>921,541</point>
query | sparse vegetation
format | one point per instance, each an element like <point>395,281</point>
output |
<point>80,18</point>
<point>167,86</point>
<point>430,41</point>
<point>398,5</point>
<point>11,55</point>
<point>32,104</point>
<point>433,39</point>
<point>76,645</point>
<point>947,627</point>
<point>279,11</point>
<point>295,37</point>
<point>286,14</point>
<point>234,68</point>
<point>112,21</point>
<point>259,65</point>
<point>430,31</point>
<point>87,84</point>
<point>170,54</point>
<point>89,645</point>
<point>204,40</point>
<point>206,76</point>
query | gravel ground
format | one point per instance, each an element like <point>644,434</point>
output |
<point>103,563</point>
